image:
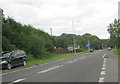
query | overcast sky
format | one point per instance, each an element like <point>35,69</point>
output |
<point>89,16</point>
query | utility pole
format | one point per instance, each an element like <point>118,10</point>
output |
<point>51,30</point>
<point>74,35</point>
<point>119,10</point>
<point>73,38</point>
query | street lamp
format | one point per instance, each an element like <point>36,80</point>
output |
<point>74,36</point>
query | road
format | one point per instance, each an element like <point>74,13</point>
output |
<point>88,67</point>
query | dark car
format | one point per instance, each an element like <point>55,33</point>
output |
<point>13,58</point>
<point>91,50</point>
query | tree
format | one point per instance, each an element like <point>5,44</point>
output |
<point>114,31</point>
<point>94,40</point>
<point>27,38</point>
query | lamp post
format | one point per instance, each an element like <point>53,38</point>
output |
<point>74,36</point>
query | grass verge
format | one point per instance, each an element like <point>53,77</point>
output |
<point>53,57</point>
<point>117,51</point>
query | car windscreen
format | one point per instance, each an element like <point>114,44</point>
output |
<point>14,54</point>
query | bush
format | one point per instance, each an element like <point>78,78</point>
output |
<point>27,38</point>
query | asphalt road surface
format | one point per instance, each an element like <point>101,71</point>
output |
<point>88,67</point>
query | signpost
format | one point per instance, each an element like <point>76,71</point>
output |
<point>88,45</point>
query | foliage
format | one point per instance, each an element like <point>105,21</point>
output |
<point>25,37</point>
<point>117,51</point>
<point>114,31</point>
<point>66,40</point>
<point>105,43</point>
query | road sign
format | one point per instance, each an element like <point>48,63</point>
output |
<point>88,44</point>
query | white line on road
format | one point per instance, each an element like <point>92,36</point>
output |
<point>104,55</point>
<point>104,62</point>
<point>103,72</point>
<point>52,68</point>
<point>101,79</point>
<point>105,59</point>
<point>103,68</point>
<point>17,70</point>
<point>18,80</point>
<point>104,65</point>
<point>71,61</point>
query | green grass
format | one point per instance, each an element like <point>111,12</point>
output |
<point>33,61</point>
<point>117,51</point>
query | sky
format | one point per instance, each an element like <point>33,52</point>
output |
<point>88,16</point>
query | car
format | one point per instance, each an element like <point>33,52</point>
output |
<point>109,48</point>
<point>91,50</point>
<point>12,59</point>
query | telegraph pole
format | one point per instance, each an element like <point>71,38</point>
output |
<point>119,10</point>
<point>51,30</point>
<point>73,38</point>
<point>74,35</point>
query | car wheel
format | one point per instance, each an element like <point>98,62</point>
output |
<point>9,66</point>
<point>24,63</point>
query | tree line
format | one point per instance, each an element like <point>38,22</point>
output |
<point>65,40</point>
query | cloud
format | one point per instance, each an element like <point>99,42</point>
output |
<point>94,15</point>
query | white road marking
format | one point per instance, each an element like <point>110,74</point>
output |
<point>105,59</point>
<point>104,55</point>
<point>76,59</point>
<point>103,72</point>
<point>18,80</point>
<point>104,62</point>
<point>101,79</point>
<point>104,65</point>
<point>52,68</point>
<point>71,61</point>
<point>17,70</point>
<point>103,68</point>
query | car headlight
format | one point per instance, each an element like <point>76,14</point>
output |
<point>3,62</point>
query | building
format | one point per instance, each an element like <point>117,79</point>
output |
<point>71,48</point>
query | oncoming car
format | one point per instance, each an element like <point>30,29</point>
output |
<point>91,50</point>
<point>13,58</point>
<point>109,48</point>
